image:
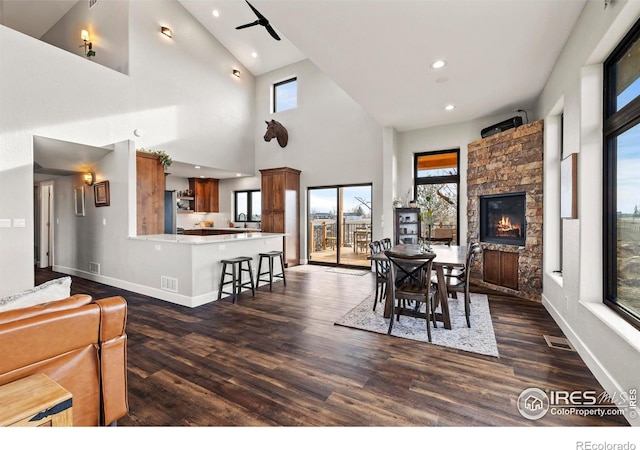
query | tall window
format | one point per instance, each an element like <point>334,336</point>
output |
<point>248,206</point>
<point>622,180</point>
<point>436,189</point>
<point>285,95</point>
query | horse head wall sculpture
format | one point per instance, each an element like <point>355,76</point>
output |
<point>276,130</point>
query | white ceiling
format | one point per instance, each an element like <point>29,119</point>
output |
<point>499,53</point>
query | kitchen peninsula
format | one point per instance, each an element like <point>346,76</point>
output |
<point>185,269</point>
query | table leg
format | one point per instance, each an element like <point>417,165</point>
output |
<point>442,297</point>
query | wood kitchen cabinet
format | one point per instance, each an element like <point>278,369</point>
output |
<point>280,189</point>
<point>500,268</point>
<point>150,183</point>
<point>205,195</point>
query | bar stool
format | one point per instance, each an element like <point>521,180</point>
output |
<point>237,268</point>
<point>271,256</point>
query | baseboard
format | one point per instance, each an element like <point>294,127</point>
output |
<point>608,382</point>
<point>178,299</point>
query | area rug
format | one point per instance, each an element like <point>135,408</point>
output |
<point>480,338</point>
<point>342,271</point>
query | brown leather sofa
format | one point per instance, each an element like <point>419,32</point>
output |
<point>81,344</point>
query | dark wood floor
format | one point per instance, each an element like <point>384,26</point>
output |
<point>278,359</point>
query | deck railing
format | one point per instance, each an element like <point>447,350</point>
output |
<point>324,233</point>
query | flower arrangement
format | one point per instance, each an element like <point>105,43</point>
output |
<point>165,159</point>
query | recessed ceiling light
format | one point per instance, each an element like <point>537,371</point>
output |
<point>254,54</point>
<point>238,174</point>
<point>216,13</point>
<point>450,107</point>
<point>196,167</point>
<point>439,64</point>
<point>201,176</point>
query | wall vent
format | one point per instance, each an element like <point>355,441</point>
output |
<point>558,342</point>
<point>169,284</point>
<point>94,267</point>
<point>92,3</point>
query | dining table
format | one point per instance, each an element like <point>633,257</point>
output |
<point>447,258</point>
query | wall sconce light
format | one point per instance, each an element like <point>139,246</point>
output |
<point>89,178</point>
<point>236,73</point>
<point>167,32</point>
<point>88,46</point>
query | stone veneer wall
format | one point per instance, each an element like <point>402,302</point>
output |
<point>511,161</point>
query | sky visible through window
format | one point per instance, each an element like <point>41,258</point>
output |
<point>324,200</point>
<point>286,95</point>
<point>628,168</point>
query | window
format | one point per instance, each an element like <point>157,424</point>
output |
<point>248,206</point>
<point>285,95</point>
<point>436,189</point>
<point>621,181</point>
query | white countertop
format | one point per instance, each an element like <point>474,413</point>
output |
<point>216,239</point>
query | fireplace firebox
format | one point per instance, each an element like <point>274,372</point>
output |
<point>502,218</point>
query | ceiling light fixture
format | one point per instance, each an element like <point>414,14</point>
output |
<point>167,32</point>
<point>450,107</point>
<point>236,73</point>
<point>254,54</point>
<point>196,167</point>
<point>216,13</point>
<point>439,64</point>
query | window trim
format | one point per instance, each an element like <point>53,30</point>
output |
<point>249,205</point>
<point>615,124</point>
<point>274,94</point>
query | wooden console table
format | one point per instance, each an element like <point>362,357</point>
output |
<point>35,401</point>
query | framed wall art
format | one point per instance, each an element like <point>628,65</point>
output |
<point>101,194</point>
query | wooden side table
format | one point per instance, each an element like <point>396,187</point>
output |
<point>35,401</point>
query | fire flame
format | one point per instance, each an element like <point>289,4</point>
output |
<point>505,227</point>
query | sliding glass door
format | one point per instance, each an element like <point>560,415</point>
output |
<point>339,225</point>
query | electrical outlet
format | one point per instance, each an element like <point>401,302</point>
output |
<point>5,223</point>
<point>19,223</point>
<point>158,247</point>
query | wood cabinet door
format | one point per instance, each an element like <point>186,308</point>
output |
<point>267,194</point>
<point>491,266</point>
<point>509,270</point>
<point>278,191</point>
<point>150,182</point>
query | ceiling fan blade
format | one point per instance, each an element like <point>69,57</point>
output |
<point>247,25</point>
<point>257,13</point>
<point>272,32</point>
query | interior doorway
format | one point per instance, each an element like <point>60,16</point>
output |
<point>339,225</point>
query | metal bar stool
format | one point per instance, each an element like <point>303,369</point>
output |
<point>237,267</point>
<point>270,256</point>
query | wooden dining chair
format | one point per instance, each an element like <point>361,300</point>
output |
<point>410,280</point>
<point>457,279</point>
<point>381,269</point>
<point>385,243</point>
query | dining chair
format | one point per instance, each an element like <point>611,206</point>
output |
<point>410,280</point>
<point>457,279</point>
<point>385,243</point>
<point>382,274</point>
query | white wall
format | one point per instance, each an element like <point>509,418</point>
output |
<point>446,137</point>
<point>332,140</point>
<point>180,93</point>
<point>608,344</point>
<point>108,26</point>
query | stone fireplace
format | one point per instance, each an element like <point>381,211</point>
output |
<point>504,188</point>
